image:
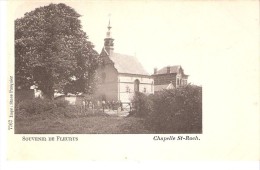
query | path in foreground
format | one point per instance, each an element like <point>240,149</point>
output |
<point>93,124</point>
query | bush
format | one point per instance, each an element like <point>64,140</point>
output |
<point>61,103</point>
<point>48,109</point>
<point>35,106</point>
<point>177,111</point>
<point>142,105</point>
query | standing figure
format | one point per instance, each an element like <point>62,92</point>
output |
<point>121,105</point>
<point>103,105</point>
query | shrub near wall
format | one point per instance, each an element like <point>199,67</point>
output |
<point>176,111</point>
<point>142,105</point>
<point>40,108</point>
<point>35,106</point>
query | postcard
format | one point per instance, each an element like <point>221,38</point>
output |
<point>133,80</point>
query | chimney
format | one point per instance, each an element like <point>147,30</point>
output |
<point>155,71</point>
<point>168,69</point>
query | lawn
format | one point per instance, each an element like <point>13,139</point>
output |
<point>98,123</point>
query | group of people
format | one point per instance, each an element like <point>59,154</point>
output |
<point>110,105</point>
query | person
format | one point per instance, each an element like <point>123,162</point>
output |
<point>109,105</point>
<point>103,105</point>
<point>121,105</point>
<point>131,106</point>
<point>113,105</point>
<point>90,105</point>
<point>83,105</point>
<point>98,104</point>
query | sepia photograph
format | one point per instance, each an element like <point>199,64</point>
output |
<point>131,80</point>
<point>85,71</point>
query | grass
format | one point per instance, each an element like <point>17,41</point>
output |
<point>97,123</point>
<point>70,120</point>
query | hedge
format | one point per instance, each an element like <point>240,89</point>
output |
<point>172,111</point>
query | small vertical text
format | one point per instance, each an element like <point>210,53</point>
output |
<point>11,103</point>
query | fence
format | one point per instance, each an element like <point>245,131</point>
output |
<point>105,107</point>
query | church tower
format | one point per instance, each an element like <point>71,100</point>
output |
<point>108,41</point>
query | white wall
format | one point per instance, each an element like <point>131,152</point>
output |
<point>125,81</point>
<point>124,78</point>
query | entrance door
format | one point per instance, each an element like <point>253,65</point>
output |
<point>136,85</point>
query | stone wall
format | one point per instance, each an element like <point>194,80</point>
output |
<point>163,79</point>
<point>107,83</point>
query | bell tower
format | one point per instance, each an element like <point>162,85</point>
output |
<point>108,41</point>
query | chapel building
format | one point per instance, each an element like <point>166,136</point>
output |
<point>120,75</point>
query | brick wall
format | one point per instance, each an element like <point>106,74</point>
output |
<point>164,79</point>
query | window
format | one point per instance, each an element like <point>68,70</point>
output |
<point>136,85</point>
<point>127,89</point>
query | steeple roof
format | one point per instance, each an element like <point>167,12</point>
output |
<point>123,63</point>
<point>109,35</point>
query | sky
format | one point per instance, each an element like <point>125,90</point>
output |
<point>198,35</point>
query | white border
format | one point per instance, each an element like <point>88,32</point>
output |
<point>39,165</point>
<point>3,87</point>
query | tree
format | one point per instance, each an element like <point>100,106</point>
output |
<point>52,51</point>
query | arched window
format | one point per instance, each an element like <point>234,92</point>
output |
<point>136,85</point>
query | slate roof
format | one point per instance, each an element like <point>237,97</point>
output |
<point>173,69</point>
<point>127,64</point>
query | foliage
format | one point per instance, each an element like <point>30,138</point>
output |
<point>52,51</point>
<point>61,103</point>
<point>35,106</point>
<point>177,110</point>
<point>38,106</point>
<point>172,111</point>
<point>141,104</point>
